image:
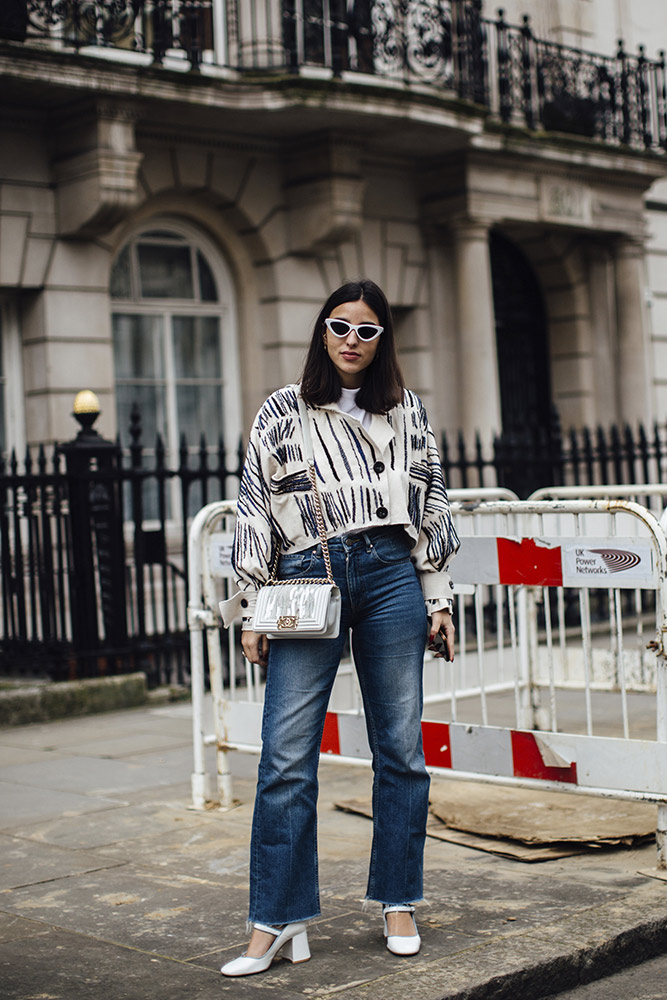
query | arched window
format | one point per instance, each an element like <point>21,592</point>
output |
<point>174,337</point>
<point>12,423</point>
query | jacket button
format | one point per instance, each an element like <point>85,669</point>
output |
<point>244,603</point>
<point>378,467</point>
<point>382,512</point>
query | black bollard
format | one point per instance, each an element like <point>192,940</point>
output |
<point>96,545</point>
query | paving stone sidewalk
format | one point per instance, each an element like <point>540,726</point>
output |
<point>112,888</point>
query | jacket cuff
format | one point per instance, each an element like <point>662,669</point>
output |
<point>241,604</point>
<point>437,586</point>
<point>439,605</point>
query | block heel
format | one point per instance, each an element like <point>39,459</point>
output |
<point>296,949</point>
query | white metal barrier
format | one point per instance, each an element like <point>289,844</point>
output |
<point>640,674</point>
<point>647,493</point>
<point>529,579</point>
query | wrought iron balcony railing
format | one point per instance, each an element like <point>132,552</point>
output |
<point>445,45</point>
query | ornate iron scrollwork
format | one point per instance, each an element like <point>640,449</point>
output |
<point>387,47</point>
<point>154,26</point>
<point>413,38</point>
<point>563,89</point>
<point>85,22</point>
<point>429,39</point>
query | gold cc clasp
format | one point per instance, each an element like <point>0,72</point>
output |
<point>286,622</point>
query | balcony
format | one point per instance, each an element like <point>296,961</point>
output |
<point>442,48</point>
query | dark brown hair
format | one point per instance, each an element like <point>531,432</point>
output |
<point>383,384</point>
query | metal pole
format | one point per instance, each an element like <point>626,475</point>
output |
<point>196,615</point>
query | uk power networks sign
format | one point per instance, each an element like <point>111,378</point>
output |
<point>612,562</point>
<point>555,562</point>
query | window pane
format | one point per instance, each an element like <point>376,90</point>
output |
<point>163,234</point>
<point>207,287</point>
<point>199,411</point>
<point>165,272</point>
<point>121,284</point>
<point>151,402</point>
<point>196,341</point>
<point>137,346</point>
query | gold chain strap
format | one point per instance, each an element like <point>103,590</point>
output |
<point>321,529</point>
<point>320,523</point>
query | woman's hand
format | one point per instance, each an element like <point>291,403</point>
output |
<point>441,621</point>
<point>255,647</point>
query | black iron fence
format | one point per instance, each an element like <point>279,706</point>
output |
<point>529,458</point>
<point>444,44</point>
<point>94,559</point>
<point>93,540</point>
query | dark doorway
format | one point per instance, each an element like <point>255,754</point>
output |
<point>523,363</point>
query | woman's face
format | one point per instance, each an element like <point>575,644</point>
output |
<point>349,355</point>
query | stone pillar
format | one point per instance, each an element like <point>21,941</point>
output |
<point>66,336</point>
<point>479,390</point>
<point>256,40</point>
<point>633,363</point>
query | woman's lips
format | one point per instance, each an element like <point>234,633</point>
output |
<point>350,355</point>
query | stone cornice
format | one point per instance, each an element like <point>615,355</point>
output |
<point>631,166</point>
<point>88,75</point>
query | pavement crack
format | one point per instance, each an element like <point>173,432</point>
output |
<point>63,878</point>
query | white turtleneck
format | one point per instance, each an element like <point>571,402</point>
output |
<point>348,404</point>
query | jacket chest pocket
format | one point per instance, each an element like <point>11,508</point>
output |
<point>289,479</point>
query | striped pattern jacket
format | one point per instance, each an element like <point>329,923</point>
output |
<point>386,474</point>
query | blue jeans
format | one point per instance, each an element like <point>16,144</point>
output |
<point>382,602</point>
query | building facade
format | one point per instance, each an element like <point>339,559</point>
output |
<point>182,184</point>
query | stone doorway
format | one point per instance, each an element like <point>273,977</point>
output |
<point>521,339</point>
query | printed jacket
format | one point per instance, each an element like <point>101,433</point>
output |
<point>388,474</point>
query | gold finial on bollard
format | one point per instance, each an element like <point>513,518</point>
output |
<point>86,401</point>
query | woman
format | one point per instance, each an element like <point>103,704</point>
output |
<point>390,538</point>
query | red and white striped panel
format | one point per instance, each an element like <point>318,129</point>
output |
<point>555,562</point>
<point>587,761</point>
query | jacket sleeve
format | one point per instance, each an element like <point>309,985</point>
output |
<point>255,538</point>
<point>438,541</point>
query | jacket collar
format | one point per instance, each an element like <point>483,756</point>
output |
<point>380,431</point>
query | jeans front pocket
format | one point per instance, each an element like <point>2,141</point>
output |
<point>391,547</point>
<point>293,565</point>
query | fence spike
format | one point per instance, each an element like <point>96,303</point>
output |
<point>135,426</point>
<point>616,448</point>
<point>240,456</point>
<point>644,453</point>
<point>657,449</point>
<point>602,454</point>
<point>183,452</point>
<point>574,455</point>
<point>630,456</point>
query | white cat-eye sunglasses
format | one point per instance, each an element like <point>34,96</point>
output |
<point>364,331</point>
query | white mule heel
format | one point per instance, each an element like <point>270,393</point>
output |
<point>297,948</point>
<point>400,944</point>
<point>292,939</point>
